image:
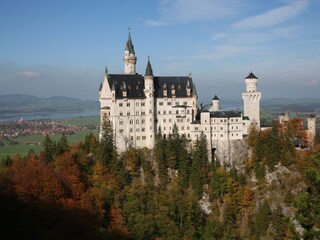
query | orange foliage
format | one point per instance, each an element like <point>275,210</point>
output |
<point>117,222</point>
<point>34,180</point>
<point>69,175</point>
<point>248,196</point>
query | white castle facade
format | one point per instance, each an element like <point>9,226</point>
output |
<point>138,106</point>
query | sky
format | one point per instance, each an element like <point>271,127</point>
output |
<point>61,48</point>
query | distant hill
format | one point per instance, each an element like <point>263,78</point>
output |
<point>303,105</point>
<point>20,103</point>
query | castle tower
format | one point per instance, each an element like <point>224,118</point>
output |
<point>149,93</point>
<point>251,100</point>
<point>215,104</point>
<point>311,129</point>
<point>130,58</point>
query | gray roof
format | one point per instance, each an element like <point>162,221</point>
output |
<point>179,83</point>
<point>225,114</point>
<point>134,85</point>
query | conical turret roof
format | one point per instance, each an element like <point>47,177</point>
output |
<point>129,45</point>
<point>215,98</point>
<point>149,71</point>
<point>251,75</point>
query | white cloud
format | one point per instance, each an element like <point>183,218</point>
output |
<point>28,74</point>
<point>179,11</point>
<point>219,36</point>
<point>274,16</point>
<point>226,51</point>
<point>287,32</point>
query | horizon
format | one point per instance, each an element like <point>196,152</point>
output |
<point>62,48</point>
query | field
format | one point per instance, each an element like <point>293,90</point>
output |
<point>23,149</point>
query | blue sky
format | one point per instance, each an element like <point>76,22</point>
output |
<point>61,48</point>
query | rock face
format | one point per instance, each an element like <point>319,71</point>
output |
<point>233,152</point>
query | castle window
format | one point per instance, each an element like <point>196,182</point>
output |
<point>143,113</point>
<point>137,104</point>
<point>128,104</point>
<point>158,112</point>
<point>164,112</point>
<point>221,128</point>
<point>188,128</point>
<point>225,120</point>
<point>137,121</point>
<point>169,103</point>
<point>188,111</point>
<point>121,113</point>
<point>150,136</point>
<point>138,138</point>
<point>128,113</point>
<point>185,103</point>
<point>143,104</point>
<point>131,138</point>
<point>170,120</point>
<point>221,120</point>
<point>143,129</point>
<point>177,111</point>
<point>131,129</point>
<point>120,104</point>
<point>237,120</point>
<point>196,128</point>
<point>182,128</point>
<point>221,135</point>
<point>143,137</point>
<point>137,113</point>
<point>138,130</point>
<point>142,121</point>
<point>231,119</point>
<point>121,130</point>
<point>188,135</point>
<point>169,112</point>
<point>160,103</point>
<point>150,111</point>
<point>164,120</point>
<point>131,121</point>
<point>236,127</point>
<point>120,122</point>
<point>177,103</point>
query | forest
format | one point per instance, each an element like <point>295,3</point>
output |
<point>89,191</point>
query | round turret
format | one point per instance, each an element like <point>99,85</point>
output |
<point>251,83</point>
<point>215,104</point>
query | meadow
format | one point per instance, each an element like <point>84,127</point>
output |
<point>23,149</point>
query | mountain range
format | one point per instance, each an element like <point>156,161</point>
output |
<point>20,103</point>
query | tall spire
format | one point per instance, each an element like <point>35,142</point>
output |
<point>129,45</point>
<point>149,71</point>
<point>130,58</point>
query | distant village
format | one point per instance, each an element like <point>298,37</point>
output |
<point>13,129</point>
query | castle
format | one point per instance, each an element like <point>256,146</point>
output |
<point>138,106</point>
